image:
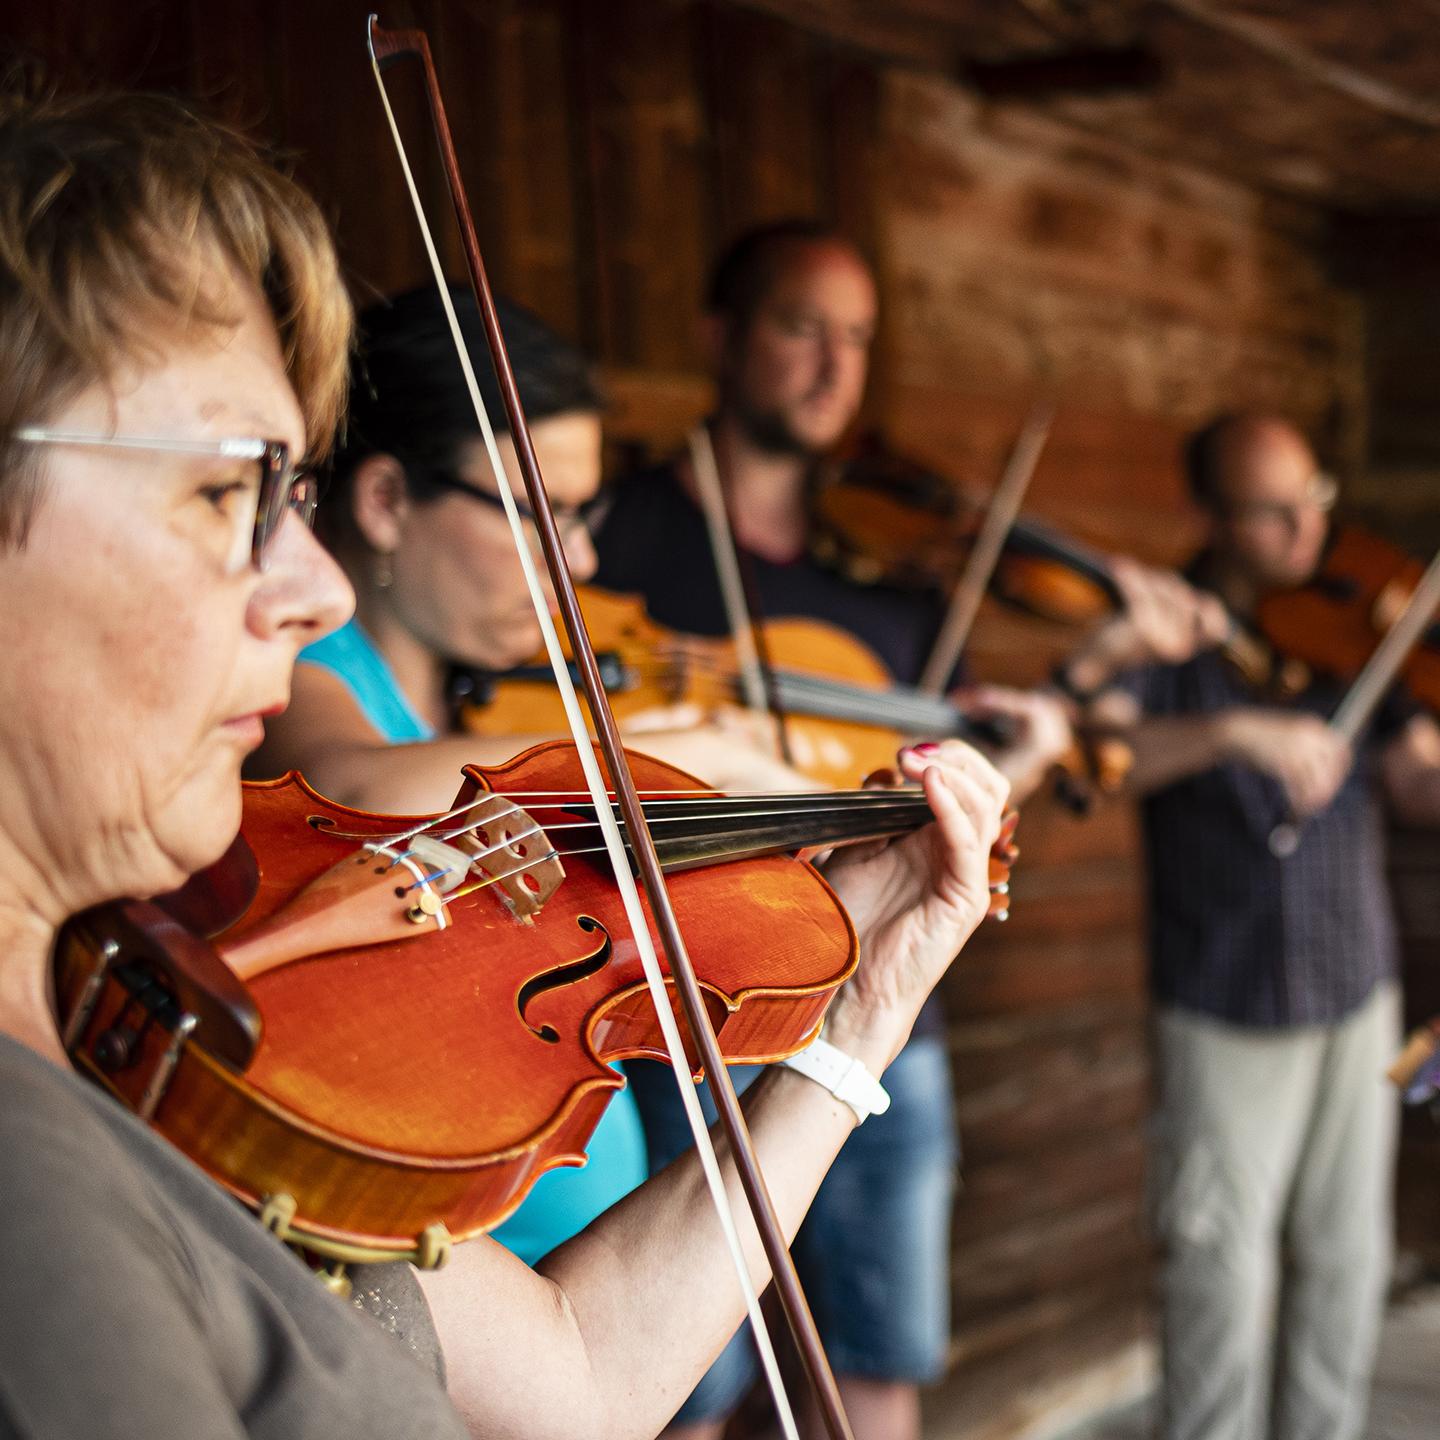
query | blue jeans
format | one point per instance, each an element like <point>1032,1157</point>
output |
<point>874,1251</point>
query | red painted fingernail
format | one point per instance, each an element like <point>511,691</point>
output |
<point>926,747</point>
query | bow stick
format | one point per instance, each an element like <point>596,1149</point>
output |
<point>389,46</point>
<point>1362,699</point>
<point>727,566</point>
<point>985,554</point>
<point>758,681</point>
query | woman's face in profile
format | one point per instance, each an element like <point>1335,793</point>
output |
<point>139,653</point>
<point>457,582</point>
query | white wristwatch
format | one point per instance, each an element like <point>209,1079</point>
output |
<point>845,1077</point>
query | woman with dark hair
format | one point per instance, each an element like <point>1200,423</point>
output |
<point>415,519</point>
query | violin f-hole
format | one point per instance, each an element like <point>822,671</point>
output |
<point>571,973</point>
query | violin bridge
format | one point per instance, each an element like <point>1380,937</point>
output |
<point>514,856</point>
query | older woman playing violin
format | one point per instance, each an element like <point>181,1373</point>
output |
<point>172,335</point>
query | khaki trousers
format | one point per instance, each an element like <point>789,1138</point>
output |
<point>1271,1178</point>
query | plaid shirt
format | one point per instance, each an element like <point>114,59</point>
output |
<point>1235,932</point>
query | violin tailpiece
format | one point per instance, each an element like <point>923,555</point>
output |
<point>374,895</point>
<point>385,891</point>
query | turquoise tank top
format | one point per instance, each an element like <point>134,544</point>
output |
<point>562,1202</point>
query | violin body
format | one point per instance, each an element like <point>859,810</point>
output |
<point>648,667</point>
<point>1333,623</point>
<point>408,1092</point>
<point>882,518</point>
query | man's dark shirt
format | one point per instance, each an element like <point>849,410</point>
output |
<point>1235,932</point>
<point>653,542</point>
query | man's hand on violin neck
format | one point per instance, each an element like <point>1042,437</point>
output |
<point>1165,620</point>
<point>1302,752</point>
<point>916,902</point>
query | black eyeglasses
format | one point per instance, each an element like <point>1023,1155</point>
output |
<point>281,488</point>
<point>567,517</point>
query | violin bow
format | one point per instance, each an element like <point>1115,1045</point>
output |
<point>1000,515</point>
<point>388,46</point>
<point>1368,689</point>
<point>757,675</point>
<point>727,565</point>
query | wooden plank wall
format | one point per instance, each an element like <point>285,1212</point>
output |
<point>609,149</point>
<point>1020,258</point>
<point>1391,262</point>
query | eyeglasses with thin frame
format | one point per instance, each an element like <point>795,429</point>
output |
<point>1321,493</point>
<point>281,489</point>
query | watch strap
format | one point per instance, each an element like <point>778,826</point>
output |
<point>845,1077</point>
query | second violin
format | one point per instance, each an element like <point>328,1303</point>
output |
<point>843,714</point>
<point>881,517</point>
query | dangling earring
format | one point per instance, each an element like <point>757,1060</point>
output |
<point>381,573</point>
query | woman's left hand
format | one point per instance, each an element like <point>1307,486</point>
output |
<point>914,902</point>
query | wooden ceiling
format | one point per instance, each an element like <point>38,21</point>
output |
<point>1332,101</point>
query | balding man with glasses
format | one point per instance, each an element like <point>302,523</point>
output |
<point>1276,1005</point>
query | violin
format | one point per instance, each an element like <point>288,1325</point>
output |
<point>882,518</point>
<point>1415,1072</point>
<point>844,716</point>
<point>379,1030</point>
<point>1334,622</point>
<point>879,517</point>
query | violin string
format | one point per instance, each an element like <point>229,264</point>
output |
<point>909,807</point>
<point>905,804</point>
<point>483,798</point>
<point>654,799</point>
<point>855,801</point>
<point>661,797</point>
<point>655,796</point>
<point>556,853</point>
<point>898,707</point>
<point>821,805</point>
<point>485,882</point>
<point>914,807</point>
